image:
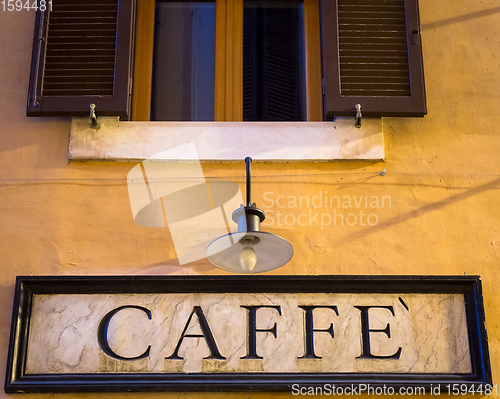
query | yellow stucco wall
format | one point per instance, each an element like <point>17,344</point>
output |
<point>443,179</point>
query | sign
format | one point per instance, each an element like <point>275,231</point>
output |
<point>151,333</point>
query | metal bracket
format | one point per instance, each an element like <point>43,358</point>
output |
<point>93,117</point>
<point>359,115</point>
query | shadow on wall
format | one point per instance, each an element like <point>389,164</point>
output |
<point>460,18</point>
<point>42,142</point>
<point>167,268</point>
<point>423,210</point>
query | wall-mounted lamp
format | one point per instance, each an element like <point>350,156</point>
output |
<point>249,250</point>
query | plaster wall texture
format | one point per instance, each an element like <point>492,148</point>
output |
<point>443,179</point>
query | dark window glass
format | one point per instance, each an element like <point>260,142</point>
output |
<point>184,62</point>
<point>274,61</point>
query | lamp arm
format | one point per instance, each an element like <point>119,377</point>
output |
<point>248,161</point>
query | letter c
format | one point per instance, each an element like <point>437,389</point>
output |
<point>102,333</point>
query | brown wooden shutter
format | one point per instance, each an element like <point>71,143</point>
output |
<point>82,54</point>
<point>372,56</point>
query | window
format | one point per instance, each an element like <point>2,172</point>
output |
<point>370,54</point>
<point>183,83</point>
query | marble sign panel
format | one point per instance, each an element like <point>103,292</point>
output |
<point>248,333</point>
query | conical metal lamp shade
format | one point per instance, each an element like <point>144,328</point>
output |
<point>272,252</point>
<point>250,250</point>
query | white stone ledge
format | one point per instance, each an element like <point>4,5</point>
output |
<point>228,141</point>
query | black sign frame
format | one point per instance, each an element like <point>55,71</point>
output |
<point>17,381</point>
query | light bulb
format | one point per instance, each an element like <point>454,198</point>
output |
<point>248,257</point>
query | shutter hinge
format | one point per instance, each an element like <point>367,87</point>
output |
<point>323,86</point>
